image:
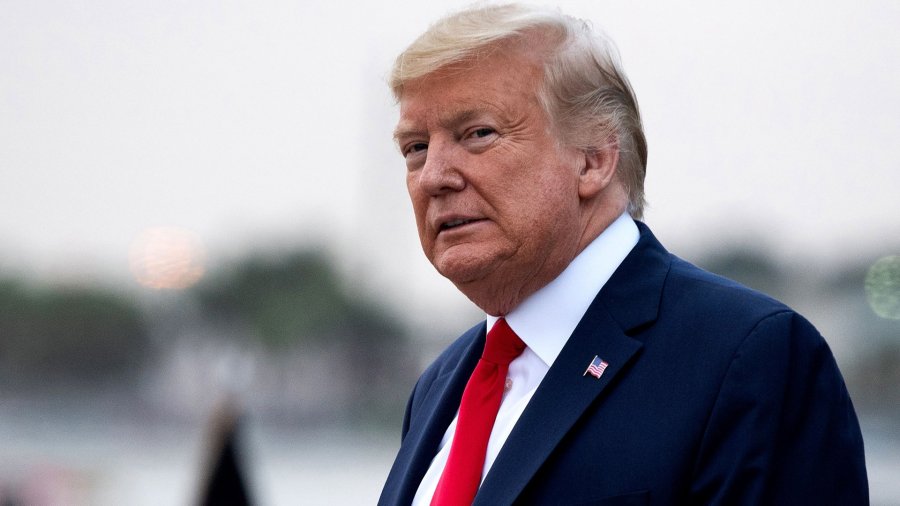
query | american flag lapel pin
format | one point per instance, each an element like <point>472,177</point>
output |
<point>596,368</point>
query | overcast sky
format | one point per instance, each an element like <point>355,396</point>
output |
<point>268,122</point>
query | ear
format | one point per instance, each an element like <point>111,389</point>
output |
<point>599,169</point>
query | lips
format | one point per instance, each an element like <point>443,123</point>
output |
<point>456,223</point>
<point>446,223</point>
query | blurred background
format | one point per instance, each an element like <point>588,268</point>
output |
<point>206,248</point>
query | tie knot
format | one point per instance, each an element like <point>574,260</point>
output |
<point>502,344</point>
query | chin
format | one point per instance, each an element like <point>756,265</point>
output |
<point>463,268</point>
<point>461,273</point>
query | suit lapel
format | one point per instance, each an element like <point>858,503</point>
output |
<point>564,394</point>
<point>432,417</point>
<point>629,300</point>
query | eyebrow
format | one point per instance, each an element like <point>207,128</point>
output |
<point>451,119</point>
<point>403,130</point>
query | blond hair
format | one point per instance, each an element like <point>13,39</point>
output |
<point>585,92</point>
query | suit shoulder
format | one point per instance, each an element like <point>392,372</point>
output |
<point>715,309</point>
<point>715,293</point>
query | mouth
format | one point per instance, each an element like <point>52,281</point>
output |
<point>449,225</point>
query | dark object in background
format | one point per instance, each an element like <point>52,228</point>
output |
<point>226,485</point>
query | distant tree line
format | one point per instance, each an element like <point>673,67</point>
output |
<point>60,337</point>
<point>63,336</point>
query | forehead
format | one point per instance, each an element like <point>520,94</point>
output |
<point>503,83</point>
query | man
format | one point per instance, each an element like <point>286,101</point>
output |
<point>625,375</point>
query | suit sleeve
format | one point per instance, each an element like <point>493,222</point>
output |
<point>408,413</point>
<point>423,384</point>
<point>783,429</point>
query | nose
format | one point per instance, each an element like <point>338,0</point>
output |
<point>441,173</point>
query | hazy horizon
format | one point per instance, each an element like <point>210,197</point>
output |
<point>268,125</point>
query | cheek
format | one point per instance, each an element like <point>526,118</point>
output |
<point>420,211</point>
<point>551,208</point>
<point>415,195</point>
<point>559,183</point>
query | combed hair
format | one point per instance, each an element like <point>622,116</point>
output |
<point>585,92</point>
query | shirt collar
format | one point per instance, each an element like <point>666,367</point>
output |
<point>546,319</point>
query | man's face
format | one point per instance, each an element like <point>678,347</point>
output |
<point>494,193</point>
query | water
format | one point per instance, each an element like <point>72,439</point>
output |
<point>50,461</point>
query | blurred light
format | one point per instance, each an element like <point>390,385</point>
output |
<point>166,258</point>
<point>883,287</point>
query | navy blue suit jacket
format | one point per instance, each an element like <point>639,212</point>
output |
<point>714,394</point>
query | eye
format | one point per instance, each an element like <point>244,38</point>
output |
<point>482,132</point>
<point>414,147</point>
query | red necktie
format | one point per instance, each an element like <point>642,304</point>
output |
<point>477,411</point>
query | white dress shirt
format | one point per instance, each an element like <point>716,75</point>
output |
<point>544,321</point>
